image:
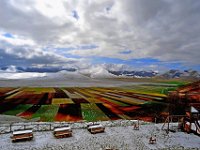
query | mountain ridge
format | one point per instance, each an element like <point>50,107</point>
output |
<point>93,72</point>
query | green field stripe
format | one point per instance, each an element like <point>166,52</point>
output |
<point>46,113</point>
<point>130,101</point>
<point>141,89</point>
<point>91,112</point>
<point>19,109</point>
<point>148,96</point>
<point>147,92</point>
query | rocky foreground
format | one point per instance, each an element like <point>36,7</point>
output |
<point>121,138</point>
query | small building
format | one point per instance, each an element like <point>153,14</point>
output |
<point>22,135</point>
<point>194,113</point>
<point>191,121</point>
<point>62,132</point>
<point>96,128</point>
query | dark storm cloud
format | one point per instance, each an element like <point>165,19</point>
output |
<point>167,30</point>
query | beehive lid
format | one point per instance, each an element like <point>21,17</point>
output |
<point>22,132</point>
<point>62,129</point>
<point>95,126</point>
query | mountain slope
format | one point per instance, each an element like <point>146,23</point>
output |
<point>180,74</point>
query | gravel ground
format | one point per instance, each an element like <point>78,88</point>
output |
<point>121,138</point>
<point>10,119</point>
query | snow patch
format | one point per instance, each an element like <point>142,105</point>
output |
<point>97,72</point>
<point>21,75</point>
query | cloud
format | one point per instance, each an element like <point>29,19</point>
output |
<point>25,52</point>
<point>166,30</point>
<point>9,69</point>
<point>24,75</point>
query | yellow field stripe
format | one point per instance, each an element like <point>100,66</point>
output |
<point>62,101</point>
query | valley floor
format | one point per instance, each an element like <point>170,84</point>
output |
<point>85,82</point>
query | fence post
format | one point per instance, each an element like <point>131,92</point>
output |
<point>11,127</point>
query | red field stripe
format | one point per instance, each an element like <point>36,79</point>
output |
<point>113,109</point>
<point>49,99</point>
<point>144,98</point>
<point>108,112</point>
<point>33,98</point>
<point>108,102</point>
<point>130,108</point>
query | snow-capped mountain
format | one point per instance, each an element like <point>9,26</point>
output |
<point>137,74</point>
<point>181,74</point>
<point>97,72</point>
<point>114,71</point>
<point>167,75</point>
<point>93,71</point>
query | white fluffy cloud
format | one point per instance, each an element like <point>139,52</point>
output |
<point>26,52</point>
<point>167,30</point>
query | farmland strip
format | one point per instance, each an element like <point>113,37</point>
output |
<point>69,112</point>
<point>79,100</point>
<point>46,112</point>
<point>60,93</point>
<point>107,111</point>
<point>91,112</point>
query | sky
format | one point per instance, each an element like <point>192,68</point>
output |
<point>139,34</point>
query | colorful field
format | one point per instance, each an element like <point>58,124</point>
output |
<point>90,104</point>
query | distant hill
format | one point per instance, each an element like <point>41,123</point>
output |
<point>95,71</point>
<point>171,74</point>
<point>180,74</point>
<point>137,74</point>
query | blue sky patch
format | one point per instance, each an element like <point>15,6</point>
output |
<point>99,60</point>
<point>126,52</point>
<point>81,47</point>
<point>142,61</point>
<point>88,46</point>
<point>65,49</point>
<point>8,35</point>
<point>75,14</point>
